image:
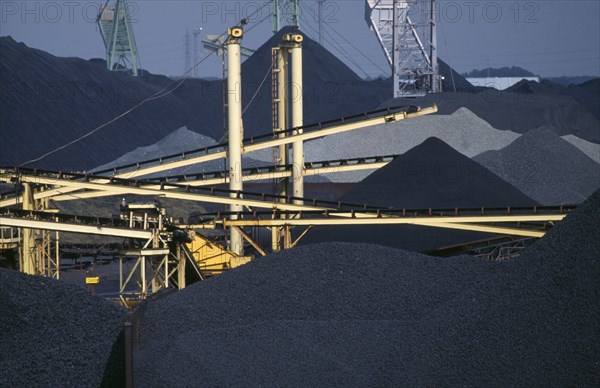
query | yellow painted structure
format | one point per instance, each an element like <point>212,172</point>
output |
<point>213,259</point>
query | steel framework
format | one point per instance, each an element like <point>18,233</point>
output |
<point>406,31</point>
<point>117,33</point>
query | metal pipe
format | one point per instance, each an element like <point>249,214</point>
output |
<point>234,118</point>
<point>282,121</point>
<point>297,121</point>
<point>435,77</point>
<point>27,258</point>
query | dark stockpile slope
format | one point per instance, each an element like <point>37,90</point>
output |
<point>54,334</point>
<point>48,101</point>
<point>317,314</point>
<point>359,314</point>
<point>588,95</point>
<point>545,167</point>
<point>431,175</point>
<point>536,323</point>
<point>330,89</point>
<point>434,174</point>
<point>527,106</point>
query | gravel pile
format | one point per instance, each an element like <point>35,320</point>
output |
<point>519,112</point>
<point>545,167</point>
<point>54,334</point>
<point>462,130</point>
<point>431,175</point>
<point>365,315</point>
<point>590,149</point>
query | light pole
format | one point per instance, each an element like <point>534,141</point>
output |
<point>197,31</point>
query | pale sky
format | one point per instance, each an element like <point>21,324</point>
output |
<point>547,37</point>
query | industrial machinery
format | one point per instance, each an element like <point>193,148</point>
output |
<point>115,27</point>
<point>168,254</point>
<point>406,31</point>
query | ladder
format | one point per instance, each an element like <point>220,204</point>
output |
<point>275,98</point>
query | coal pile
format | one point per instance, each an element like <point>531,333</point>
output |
<point>365,315</point>
<point>590,149</point>
<point>586,93</point>
<point>176,143</point>
<point>545,167</point>
<point>431,175</point>
<point>462,130</point>
<point>330,90</point>
<point>54,334</point>
<point>524,108</point>
<point>48,101</point>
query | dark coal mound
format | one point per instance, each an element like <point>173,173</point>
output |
<point>528,107</point>
<point>545,167</point>
<point>543,87</point>
<point>48,101</point>
<point>434,174</point>
<point>588,95</point>
<point>359,314</point>
<point>452,81</point>
<point>431,175</point>
<point>54,334</point>
<point>330,90</point>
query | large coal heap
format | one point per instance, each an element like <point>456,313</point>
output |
<point>54,334</point>
<point>431,175</point>
<point>49,101</point>
<point>545,167</point>
<point>330,89</point>
<point>525,106</point>
<point>359,314</point>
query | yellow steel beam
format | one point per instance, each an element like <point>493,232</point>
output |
<point>124,190</point>
<point>74,228</point>
<point>290,138</point>
<point>251,241</point>
<point>392,220</point>
<point>215,181</point>
<point>466,223</point>
<point>393,117</point>
<point>488,229</point>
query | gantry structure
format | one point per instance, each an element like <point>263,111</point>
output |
<point>407,33</point>
<point>114,22</point>
<point>169,254</point>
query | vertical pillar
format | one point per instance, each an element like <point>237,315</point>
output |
<point>297,118</point>
<point>181,268</point>
<point>234,118</point>
<point>57,253</point>
<point>282,120</point>
<point>436,85</point>
<point>27,257</point>
<point>395,48</point>
<point>276,16</point>
<point>143,282</point>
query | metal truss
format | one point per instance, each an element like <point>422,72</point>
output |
<point>304,133</point>
<point>117,33</point>
<point>406,31</point>
<point>526,222</point>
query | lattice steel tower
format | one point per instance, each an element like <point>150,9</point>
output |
<point>285,8</point>
<point>117,34</point>
<point>406,30</point>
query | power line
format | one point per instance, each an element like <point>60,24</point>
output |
<point>356,48</point>
<point>161,93</point>
<point>337,46</point>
